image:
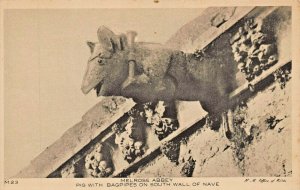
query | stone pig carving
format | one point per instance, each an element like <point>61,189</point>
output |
<point>150,72</point>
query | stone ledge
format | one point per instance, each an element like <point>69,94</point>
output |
<point>93,123</point>
<point>197,36</point>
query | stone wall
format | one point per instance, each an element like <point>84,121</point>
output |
<point>261,147</point>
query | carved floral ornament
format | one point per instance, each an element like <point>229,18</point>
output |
<point>128,138</point>
<point>253,50</point>
<point>97,164</point>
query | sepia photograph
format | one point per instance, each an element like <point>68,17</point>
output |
<point>150,97</point>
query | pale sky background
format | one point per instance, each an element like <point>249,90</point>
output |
<point>45,56</point>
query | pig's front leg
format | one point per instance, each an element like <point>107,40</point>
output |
<point>227,124</point>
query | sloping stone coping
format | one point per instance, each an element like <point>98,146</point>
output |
<point>93,123</point>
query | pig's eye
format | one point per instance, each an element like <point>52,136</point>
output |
<point>101,61</point>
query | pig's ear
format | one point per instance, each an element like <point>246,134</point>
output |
<point>106,37</point>
<point>91,45</point>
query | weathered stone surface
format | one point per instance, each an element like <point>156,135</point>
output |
<point>221,17</point>
<point>267,154</point>
<point>198,33</point>
<point>270,153</point>
<point>108,106</point>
